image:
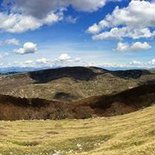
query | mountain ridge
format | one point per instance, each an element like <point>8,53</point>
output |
<point>72,83</point>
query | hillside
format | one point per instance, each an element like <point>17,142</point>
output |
<point>129,134</point>
<point>13,108</point>
<point>72,83</point>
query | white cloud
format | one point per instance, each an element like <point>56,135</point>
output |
<point>140,46</point>
<point>94,29</point>
<point>135,62</point>
<point>64,57</point>
<point>137,46</point>
<point>142,64</point>
<point>30,15</point>
<point>28,48</point>
<point>136,21</point>
<point>122,47</point>
<point>29,62</point>
<point>60,61</point>
<point>40,8</point>
<point>42,61</point>
<point>71,19</point>
<point>36,63</point>
<point>12,41</point>
<point>125,32</point>
<point>87,5</point>
<point>17,23</point>
<point>152,62</point>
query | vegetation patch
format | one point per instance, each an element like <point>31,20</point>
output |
<point>26,143</point>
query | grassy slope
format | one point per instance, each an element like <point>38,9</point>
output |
<point>129,134</point>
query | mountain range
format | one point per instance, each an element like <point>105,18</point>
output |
<point>75,92</point>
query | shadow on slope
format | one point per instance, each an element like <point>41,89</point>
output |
<point>127,74</point>
<point>122,103</point>
<point>12,108</point>
<point>77,73</point>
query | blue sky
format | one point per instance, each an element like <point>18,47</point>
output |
<point>106,33</point>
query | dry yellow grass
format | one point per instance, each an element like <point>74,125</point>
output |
<point>131,134</point>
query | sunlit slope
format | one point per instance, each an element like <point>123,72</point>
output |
<point>129,134</point>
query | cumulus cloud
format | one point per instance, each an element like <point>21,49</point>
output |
<point>43,61</point>
<point>41,8</point>
<point>17,23</point>
<point>122,47</point>
<point>12,41</point>
<point>140,46</point>
<point>87,5</point>
<point>137,46</point>
<point>64,57</point>
<point>27,15</point>
<point>27,48</point>
<point>125,32</point>
<point>131,21</point>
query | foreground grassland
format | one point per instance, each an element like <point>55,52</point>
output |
<point>131,134</point>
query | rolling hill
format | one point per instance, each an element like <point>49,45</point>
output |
<point>13,108</point>
<point>72,83</point>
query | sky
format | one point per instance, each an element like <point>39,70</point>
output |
<point>55,33</point>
